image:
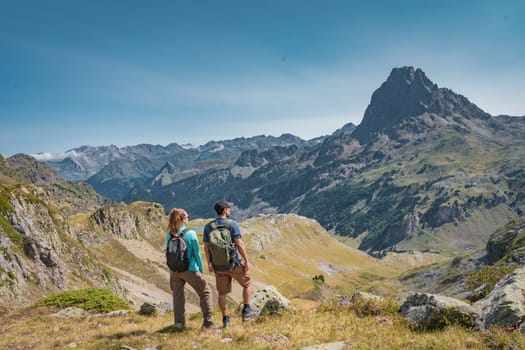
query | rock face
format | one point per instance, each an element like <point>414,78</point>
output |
<point>506,242</point>
<point>140,219</point>
<point>408,93</point>
<point>39,249</point>
<point>432,311</point>
<point>269,301</point>
<point>505,305</point>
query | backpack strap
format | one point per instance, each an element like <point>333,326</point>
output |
<point>214,224</point>
<point>181,234</point>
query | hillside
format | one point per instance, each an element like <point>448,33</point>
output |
<point>68,197</point>
<point>473,275</point>
<point>125,244</point>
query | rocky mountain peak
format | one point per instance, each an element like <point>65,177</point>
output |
<point>408,92</point>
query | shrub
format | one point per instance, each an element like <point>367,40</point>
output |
<point>498,338</point>
<point>446,317</point>
<point>482,281</point>
<point>95,299</point>
<point>362,307</point>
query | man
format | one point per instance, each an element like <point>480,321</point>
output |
<point>238,269</point>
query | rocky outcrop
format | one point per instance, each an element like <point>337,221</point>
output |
<point>39,231</point>
<point>505,242</point>
<point>139,219</point>
<point>432,311</point>
<point>40,250</point>
<point>505,305</point>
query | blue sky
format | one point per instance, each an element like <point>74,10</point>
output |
<point>107,72</point>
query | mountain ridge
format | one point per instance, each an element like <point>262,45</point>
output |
<point>417,183</point>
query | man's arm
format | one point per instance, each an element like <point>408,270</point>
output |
<point>208,257</point>
<point>206,240</point>
<point>240,247</point>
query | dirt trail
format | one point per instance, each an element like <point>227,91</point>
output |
<point>141,290</point>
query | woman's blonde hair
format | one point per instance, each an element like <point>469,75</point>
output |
<point>176,220</point>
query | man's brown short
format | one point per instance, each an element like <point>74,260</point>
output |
<point>224,279</point>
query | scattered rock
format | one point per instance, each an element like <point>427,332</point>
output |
<point>150,309</point>
<point>269,301</point>
<point>117,313</point>
<point>327,346</point>
<point>277,339</point>
<point>71,312</point>
<point>226,340</point>
<point>363,296</point>
<point>125,347</point>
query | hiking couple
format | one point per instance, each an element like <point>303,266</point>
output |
<point>191,269</point>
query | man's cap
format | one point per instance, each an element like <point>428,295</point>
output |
<point>222,204</point>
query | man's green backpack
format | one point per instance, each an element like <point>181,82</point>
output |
<point>221,246</point>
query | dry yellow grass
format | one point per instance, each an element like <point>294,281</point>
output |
<point>37,329</point>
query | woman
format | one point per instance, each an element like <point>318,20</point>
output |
<point>194,275</point>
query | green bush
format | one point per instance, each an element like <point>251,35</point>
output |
<point>91,299</point>
<point>446,317</point>
<point>487,278</point>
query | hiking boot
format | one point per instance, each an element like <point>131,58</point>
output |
<point>179,327</point>
<point>173,328</point>
<point>209,326</point>
<point>226,322</point>
<point>249,314</point>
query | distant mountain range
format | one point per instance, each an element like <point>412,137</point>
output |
<point>426,169</point>
<point>114,171</point>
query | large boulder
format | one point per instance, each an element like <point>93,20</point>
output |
<point>505,305</point>
<point>269,301</point>
<point>431,311</point>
